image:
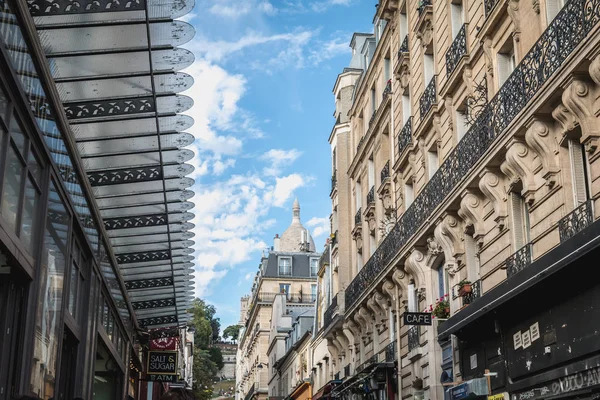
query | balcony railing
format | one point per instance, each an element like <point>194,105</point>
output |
<point>336,376</point>
<point>405,136</point>
<point>385,171</point>
<point>371,195</point>
<point>469,298</point>
<point>457,50</point>
<point>328,316</point>
<point>372,118</point>
<point>390,352</point>
<point>334,179</point>
<point>414,338</point>
<point>422,5</point>
<point>250,393</point>
<point>290,298</point>
<point>388,89</point>
<point>358,216</point>
<point>403,46</point>
<point>576,221</point>
<point>370,360</point>
<point>488,6</point>
<point>428,99</point>
<point>572,24</point>
<point>520,260</point>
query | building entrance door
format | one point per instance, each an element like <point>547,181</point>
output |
<point>12,298</point>
<point>68,365</point>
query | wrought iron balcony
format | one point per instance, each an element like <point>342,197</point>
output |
<point>347,371</point>
<point>414,338</point>
<point>385,171</point>
<point>334,179</point>
<point>564,34</point>
<point>371,195</point>
<point>405,136</point>
<point>457,50</point>
<point>422,5</point>
<point>336,376</point>
<point>403,47</point>
<point>488,6</point>
<point>427,100</point>
<point>388,89</point>
<point>468,298</point>
<point>328,316</point>
<point>575,221</point>
<point>390,352</point>
<point>372,118</point>
<point>358,216</point>
<point>520,260</point>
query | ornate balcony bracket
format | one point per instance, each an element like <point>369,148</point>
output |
<point>371,220</point>
<point>357,231</point>
<point>424,26</point>
<point>385,190</point>
<point>402,70</point>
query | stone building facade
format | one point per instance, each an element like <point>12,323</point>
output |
<point>464,171</point>
<point>289,269</point>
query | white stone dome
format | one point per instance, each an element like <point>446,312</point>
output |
<point>296,234</point>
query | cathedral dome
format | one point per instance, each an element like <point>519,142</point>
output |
<point>296,234</point>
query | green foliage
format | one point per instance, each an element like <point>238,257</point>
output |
<point>216,356</point>
<point>233,332</point>
<point>204,371</point>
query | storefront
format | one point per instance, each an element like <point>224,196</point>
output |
<point>374,382</point>
<point>302,392</point>
<point>537,335</point>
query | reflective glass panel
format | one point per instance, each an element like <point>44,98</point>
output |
<point>3,105</point>
<point>73,289</point>
<point>51,277</point>
<point>29,219</point>
<point>13,175</point>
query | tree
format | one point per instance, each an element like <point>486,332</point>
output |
<point>204,370</point>
<point>216,356</point>
<point>233,332</point>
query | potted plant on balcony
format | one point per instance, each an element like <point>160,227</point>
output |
<point>464,287</point>
<point>441,308</point>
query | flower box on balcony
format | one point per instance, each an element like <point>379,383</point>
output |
<point>464,287</point>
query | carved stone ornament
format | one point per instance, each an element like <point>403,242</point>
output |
<point>416,265</point>
<point>519,166</point>
<point>421,294</point>
<point>595,69</point>
<point>425,30</point>
<point>450,237</point>
<point>513,13</point>
<point>536,6</point>
<point>389,288</point>
<point>541,139</point>
<point>371,221</point>
<point>404,70</point>
<point>492,186</point>
<point>580,99</point>
<point>385,226</point>
<point>565,118</point>
<point>433,248</point>
<point>399,277</point>
<point>358,240</point>
<point>488,55</point>
<point>471,211</point>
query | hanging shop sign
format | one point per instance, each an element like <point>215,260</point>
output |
<point>168,343</point>
<point>570,383</point>
<point>162,362</point>
<point>161,378</point>
<point>417,318</point>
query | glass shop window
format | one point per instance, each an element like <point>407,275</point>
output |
<point>21,190</point>
<point>48,316</point>
<point>77,280</point>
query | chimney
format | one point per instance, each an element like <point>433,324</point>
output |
<point>276,242</point>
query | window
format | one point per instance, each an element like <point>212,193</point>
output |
<point>372,245</point>
<point>371,173</point>
<point>553,7</point>
<point>284,288</point>
<point>314,266</point>
<point>313,292</point>
<point>471,256</point>
<point>358,198</point>
<point>441,280</point>
<point>386,69</point>
<point>412,298</point>
<point>285,266</point>
<point>578,172</point>
<point>461,123</point>
<point>358,261</point>
<point>447,372</point>
<point>409,195</point>
<point>456,13</point>
<point>373,100</point>
<point>520,220</point>
<point>76,282</point>
<point>406,112</point>
<point>428,68</point>
<point>506,64</point>
<point>433,162</point>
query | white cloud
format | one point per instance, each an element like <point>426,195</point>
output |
<point>321,226</point>
<point>285,187</point>
<point>320,6</point>
<point>329,49</point>
<point>276,159</point>
<point>235,10</point>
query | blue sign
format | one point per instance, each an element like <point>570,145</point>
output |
<point>459,392</point>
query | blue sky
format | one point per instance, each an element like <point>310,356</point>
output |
<point>263,106</point>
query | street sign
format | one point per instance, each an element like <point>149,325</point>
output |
<point>162,362</point>
<point>417,318</point>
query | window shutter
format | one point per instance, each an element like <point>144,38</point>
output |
<point>471,253</point>
<point>552,9</point>
<point>577,172</point>
<point>503,68</point>
<point>517,220</point>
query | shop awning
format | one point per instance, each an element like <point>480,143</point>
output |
<point>117,68</point>
<point>326,390</point>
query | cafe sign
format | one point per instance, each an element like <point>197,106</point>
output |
<point>417,318</point>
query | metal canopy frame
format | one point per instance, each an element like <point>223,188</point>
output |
<point>117,71</point>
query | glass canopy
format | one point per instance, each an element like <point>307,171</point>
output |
<point>117,67</point>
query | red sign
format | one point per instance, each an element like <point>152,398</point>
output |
<point>169,343</point>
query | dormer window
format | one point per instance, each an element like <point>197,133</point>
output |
<point>285,266</point>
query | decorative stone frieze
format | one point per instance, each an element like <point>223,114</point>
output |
<point>565,118</point>
<point>493,187</point>
<point>540,138</point>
